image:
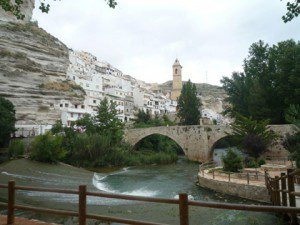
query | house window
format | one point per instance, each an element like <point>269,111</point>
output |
<point>73,77</point>
<point>87,85</point>
<point>82,106</point>
<point>66,105</point>
<point>175,71</point>
<point>94,101</point>
<point>72,115</point>
<point>76,106</point>
<point>61,105</point>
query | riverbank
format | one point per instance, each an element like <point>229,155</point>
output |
<point>155,181</point>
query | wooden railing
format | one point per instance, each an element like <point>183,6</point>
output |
<point>183,202</point>
<point>247,177</point>
<point>282,189</point>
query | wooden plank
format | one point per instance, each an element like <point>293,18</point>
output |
<point>283,187</point>
<point>134,198</point>
<point>11,203</point>
<point>184,209</point>
<point>82,205</point>
<point>255,208</point>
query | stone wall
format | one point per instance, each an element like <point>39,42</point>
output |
<point>251,192</point>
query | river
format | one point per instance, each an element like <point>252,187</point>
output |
<point>155,181</point>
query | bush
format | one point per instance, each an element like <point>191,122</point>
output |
<point>250,162</point>
<point>261,162</point>
<point>16,149</point>
<point>47,148</point>
<point>232,162</point>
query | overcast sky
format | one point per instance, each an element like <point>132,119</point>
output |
<point>142,38</point>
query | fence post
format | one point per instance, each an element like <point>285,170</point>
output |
<point>248,178</point>
<point>213,172</point>
<point>82,205</point>
<point>11,203</point>
<point>229,176</point>
<point>283,188</point>
<point>292,198</point>
<point>277,193</point>
<point>266,181</point>
<point>183,209</point>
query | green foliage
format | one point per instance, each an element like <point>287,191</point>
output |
<point>251,135</point>
<point>269,84</point>
<point>293,10</point>
<point>251,162</point>
<point>47,148</point>
<point>143,120</point>
<point>292,144</point>
<point>15,8</point>
<point>261,162</point>
<point>232,162</point>
<point>7,121</point>
<point>189,105</point>
<point>158,143</point>
<point>292,115</point>
<point>16,149</point>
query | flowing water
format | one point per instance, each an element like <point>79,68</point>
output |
<point>155,181</point>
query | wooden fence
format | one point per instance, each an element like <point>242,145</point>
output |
<point>183,205</point>
<point>282,190</point>
<point>247,177</point>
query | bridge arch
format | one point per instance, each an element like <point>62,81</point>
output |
<point>163,135</point>
<point>142,137</point>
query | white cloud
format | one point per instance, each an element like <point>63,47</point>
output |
<point>143,37</point>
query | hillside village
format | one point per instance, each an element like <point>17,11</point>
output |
<point>100,79</point>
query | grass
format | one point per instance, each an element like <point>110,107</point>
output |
<point>65,86</point>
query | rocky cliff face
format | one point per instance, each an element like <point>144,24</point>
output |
<point>31,61</point>
<point>26,9</point>
<point>212,97</point>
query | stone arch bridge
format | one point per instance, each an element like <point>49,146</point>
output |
<point>198,142</point>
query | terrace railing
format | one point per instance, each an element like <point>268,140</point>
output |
<point>183,205</point>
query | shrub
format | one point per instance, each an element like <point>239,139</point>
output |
<point>47,148</point>
<point>16,149</point>
<point>250,162</point>
<point>261,162</point>
<point>232,162</point>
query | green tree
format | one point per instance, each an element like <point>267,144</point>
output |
<point>293,10</point>
<point>15,7</point>
<point>269,84</point>
<point>251,135</point>
<point>7,121</point>
<point>189,105</point>
<point>106,120</point>
<point>142,117</point>
<point>47,148</point>
<point>232,162</point>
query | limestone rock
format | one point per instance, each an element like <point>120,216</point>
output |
<point>26,9</point>
<point>30,59</point>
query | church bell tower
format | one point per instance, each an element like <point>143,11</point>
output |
<point>177,80</point>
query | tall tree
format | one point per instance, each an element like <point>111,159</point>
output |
<point>293,10</point>
<point>189,105</point>
<point>269,84</point>
<point>7,121</point>
<point>15,7</point>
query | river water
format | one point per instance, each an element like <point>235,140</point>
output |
<point>153,181</point>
